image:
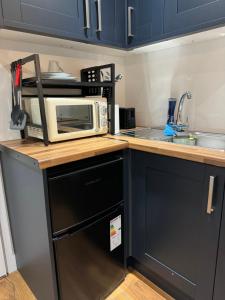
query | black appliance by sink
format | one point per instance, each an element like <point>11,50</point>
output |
<point>87,211</point>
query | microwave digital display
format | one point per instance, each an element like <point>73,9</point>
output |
<point>72,118</point>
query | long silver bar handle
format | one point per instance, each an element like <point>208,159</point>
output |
<point>87,12</point>
<point>210,209</point>
<point>130,9</point>
<point>99,10</point>
<point>97,115</point>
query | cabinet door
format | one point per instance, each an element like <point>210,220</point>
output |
<point>145,21</point>
<point>86,266</point>
<point>1,19</point>
<point>219,290</point>
<point>80,195</point>
<point>108,22</point>
<point>54,17</point>
<point>186,16</point>
<point>173,236</point>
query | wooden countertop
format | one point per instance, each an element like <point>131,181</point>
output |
<point>193,153</point>
<point>60,153</point>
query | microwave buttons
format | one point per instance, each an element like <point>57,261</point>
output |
<point>104,110</point>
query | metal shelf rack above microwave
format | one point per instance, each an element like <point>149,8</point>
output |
<point>90,85</point>
<point>64,84</point>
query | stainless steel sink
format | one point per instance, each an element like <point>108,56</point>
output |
<point>206,140</point>
<point>184,140</point>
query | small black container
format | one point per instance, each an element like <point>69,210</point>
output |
<point>127,118</point>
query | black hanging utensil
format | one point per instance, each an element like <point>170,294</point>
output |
<point>18,116</point>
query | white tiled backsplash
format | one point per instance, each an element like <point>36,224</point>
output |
<point>151,78</point>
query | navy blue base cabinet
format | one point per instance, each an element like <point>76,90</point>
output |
<point>219,290</point>
<point>174,239</point>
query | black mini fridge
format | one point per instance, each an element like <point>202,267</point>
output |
<point>88,237</point>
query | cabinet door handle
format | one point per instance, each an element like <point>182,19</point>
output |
<point>87,15</point>
<point>99,12</point>
<point>130,10</point>
<point>210,208</point>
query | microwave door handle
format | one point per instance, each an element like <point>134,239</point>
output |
<point>97,115</point>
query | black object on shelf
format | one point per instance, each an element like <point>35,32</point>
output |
<point>90,85</point>
<point>127,118</point>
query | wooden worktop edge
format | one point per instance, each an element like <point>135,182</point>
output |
<point>191,153</point>
<point>67,152</point>
<point>41,157</point>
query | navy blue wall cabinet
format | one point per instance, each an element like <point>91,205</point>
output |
<point>1,18</point>
<point>108,21</point>
<point>144,21</point>
<point>52,17</point>
<point>174,239</point>
<point>96,21</point>
<point>182,16</point>
<point>119,23</point>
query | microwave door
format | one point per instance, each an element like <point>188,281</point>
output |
<point>75,118</point>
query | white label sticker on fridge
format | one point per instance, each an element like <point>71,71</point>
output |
<point>115,233</point>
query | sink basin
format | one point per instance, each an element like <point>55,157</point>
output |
<point>206,140</point>
<point>184,140</point>
<point>214,141</point>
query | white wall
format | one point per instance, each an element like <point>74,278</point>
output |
<point>151,78</point>
<point>71,61</point>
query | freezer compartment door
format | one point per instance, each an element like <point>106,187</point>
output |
<point>77,196</point>
<point>90,262</point>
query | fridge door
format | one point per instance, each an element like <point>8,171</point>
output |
<point>90,262</point>
<point>85,193</point>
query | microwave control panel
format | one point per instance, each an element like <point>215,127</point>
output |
<point>103,116</point>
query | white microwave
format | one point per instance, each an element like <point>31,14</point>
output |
<point>67,118</point>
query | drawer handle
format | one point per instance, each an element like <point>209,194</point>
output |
<point>210,208</point>
<point>94,181</point>
<point>130,10</point>
<point>87,15</point>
